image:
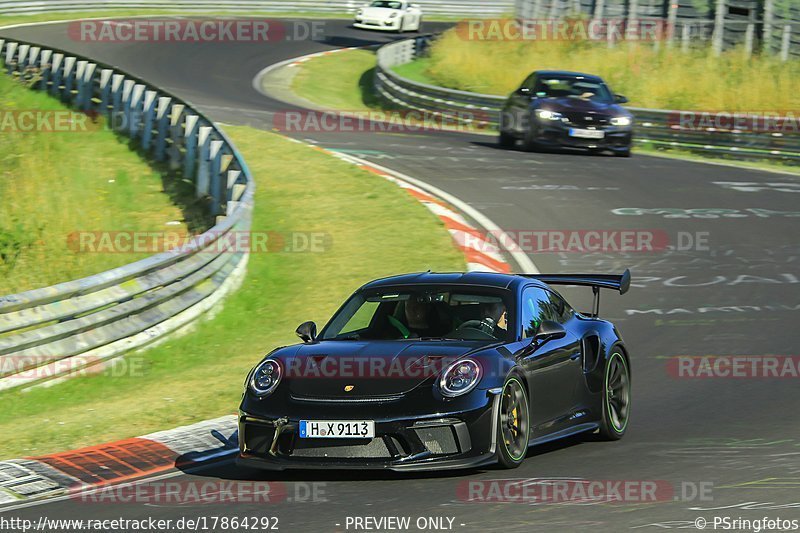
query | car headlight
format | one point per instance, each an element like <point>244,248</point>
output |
<point>545,114</point>
<point>460,378</point>
<point>621,121</point>
<point>359,12</point>
<point>266,377</point>
<point>393,15</point>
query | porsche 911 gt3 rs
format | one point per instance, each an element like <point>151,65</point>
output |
<point>438,371</point>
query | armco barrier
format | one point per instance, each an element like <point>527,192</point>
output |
<point>429,7</point>
<point>49,332</point>
<point>651,125</point>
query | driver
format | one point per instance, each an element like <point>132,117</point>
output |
<point>419,317</point>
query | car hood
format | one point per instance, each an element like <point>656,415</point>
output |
<point>580,105</point>
<point>377,12</point>
<point>353,369</point>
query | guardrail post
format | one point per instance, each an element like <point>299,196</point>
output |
<point>22,57</point>
<point>45,68</point>
<point>786,42</point>
<point>117,107</point>
<point>69,78</point>
<point>2,44</point>
<point>190,144</point>
<point>748,40</point>
<point>58,73</point>
<point>11,48</point>
<point>88,89</point>
<point>717,38</point>
<point>232,193</point>
<point>203,152</point>
<point>686,35</point>
<point>105,89</point>
<point>136,110</point>
<point>80,84</point>
<point>147,119</point>
<point>766,35</point>
<point>215,156</point>
<point>127,89</point>
<point>177,134</point>
<point>33,56</point>
<point>162,126</point>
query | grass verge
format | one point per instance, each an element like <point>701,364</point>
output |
<point>659,78</point>
<point>375,229</point>
<point>54,183</point>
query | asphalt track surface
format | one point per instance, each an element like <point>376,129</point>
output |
<point>740,296</point>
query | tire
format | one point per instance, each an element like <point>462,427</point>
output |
<point>529,143</point>
<point>506,140</point>
<point>513,434</point>
<point>616,405</point>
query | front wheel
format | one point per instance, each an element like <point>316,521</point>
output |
<point>513,424</point>
<point>616,397</point>
<point>506,140</point>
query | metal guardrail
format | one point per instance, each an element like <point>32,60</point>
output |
<point>655,126</point>
<point>52,331</point>
<point>429,7</point>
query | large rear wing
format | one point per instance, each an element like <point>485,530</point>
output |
<point>619,283</point>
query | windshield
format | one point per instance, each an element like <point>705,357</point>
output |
<point>422,313</point>
<point>573,87</point>
<point>386,3</point>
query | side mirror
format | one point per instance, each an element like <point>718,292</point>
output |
<point>618,98</point>
<point>307,331</point>
<point>549,330</point>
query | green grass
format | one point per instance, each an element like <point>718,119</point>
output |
<point>375,229</point>
<point>416,71</point>
<point>56,183</point>
<point>656,78</point>
<point>341,81</point>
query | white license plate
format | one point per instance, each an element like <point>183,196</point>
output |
<point>337,429</point>
<point>587,134</point>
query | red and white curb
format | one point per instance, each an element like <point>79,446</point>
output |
<point>117,462</point>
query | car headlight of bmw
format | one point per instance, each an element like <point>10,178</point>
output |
<point>460,378</point>
<point>546,114</point>
<point>266,377</point>
<point>621,121</point>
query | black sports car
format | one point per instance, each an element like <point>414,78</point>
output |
<point>555,108</point>
<point>439,370</point>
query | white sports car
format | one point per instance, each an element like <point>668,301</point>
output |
<point>392,15</point>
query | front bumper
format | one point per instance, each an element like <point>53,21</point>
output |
<point>558,134</point>
<point>461,437</point>
<point>386,25</point>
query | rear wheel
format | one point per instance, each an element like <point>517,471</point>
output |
<point>616,397</point>
<point>623,153</point>
<point>513,424</point>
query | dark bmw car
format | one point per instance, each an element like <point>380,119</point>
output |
<point>439,371</point>
<point>566,109</point>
